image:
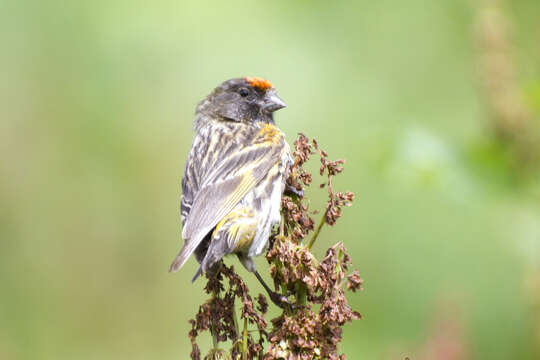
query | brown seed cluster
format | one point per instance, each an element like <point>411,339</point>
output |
<point>297,221</point>
<point>302,153</point>
<point>218,314</point>
<point>336,200</point>
<point>312,327</point>
<point>306,333</point>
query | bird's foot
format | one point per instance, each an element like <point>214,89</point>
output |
<point>281,300</point>
<point>292,190</point>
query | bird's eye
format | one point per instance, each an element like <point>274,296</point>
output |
<point>243,92</point>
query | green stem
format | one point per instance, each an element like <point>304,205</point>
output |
<point>282,286</point>
<point>278,263</point>
<point>214,338</point>
<point>215,294</point>
<point>212,329</point>
<point>244,340</point>
<point>301,294</point>
<point>317,231</point>
<point>236,328</point>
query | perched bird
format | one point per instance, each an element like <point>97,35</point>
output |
<point>234,176</point>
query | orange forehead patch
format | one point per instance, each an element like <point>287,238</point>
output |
<point>259,83</point>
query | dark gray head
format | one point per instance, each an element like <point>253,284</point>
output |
<point>242,100</point>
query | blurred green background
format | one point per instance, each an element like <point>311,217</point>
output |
<point>97,101</point>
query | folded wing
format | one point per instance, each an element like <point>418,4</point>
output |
<point>222,188</point>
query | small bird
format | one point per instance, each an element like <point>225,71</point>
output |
<point>234,176</point>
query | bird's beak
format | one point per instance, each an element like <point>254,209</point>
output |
<point>272,102</point>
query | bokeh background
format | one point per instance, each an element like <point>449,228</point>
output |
<point>434,104</point>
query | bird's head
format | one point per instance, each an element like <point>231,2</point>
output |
<point>249,99</point>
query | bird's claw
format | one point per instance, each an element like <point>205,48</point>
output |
<point>282,301</point>
<point>292,190</point>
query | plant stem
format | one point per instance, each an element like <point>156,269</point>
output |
<point>212,329</point>
<point>301,294</point>
<point>236,328</point>
<point>317,231</point>
<point>244,340</point>
<point>214,338</point>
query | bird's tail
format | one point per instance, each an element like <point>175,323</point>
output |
<point>197,274</point>
<point>180,259</point>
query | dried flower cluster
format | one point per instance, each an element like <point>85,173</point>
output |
<point>219,316</point>
<point>336,200</point>
<point>312,327</point>
<point>306,333</point>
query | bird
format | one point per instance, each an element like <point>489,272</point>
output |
<point>234,177</point>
